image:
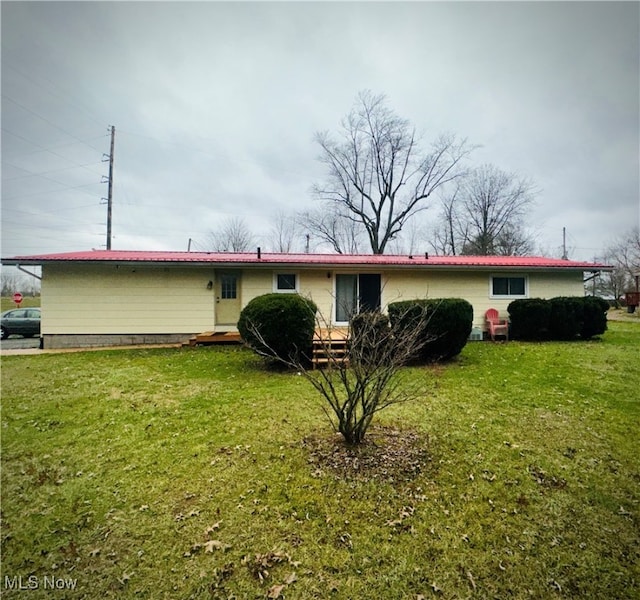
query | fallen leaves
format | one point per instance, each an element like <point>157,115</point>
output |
<point>387,454</point>
<point>544,479</point>
<point>275,591</point>
<point>260,564</point>
<point>209,545</point>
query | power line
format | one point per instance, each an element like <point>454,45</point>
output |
<point>47,150</point>
<point>33,112</point>
<point>68,99</point>
<point>42,174</point>
<point>63,189</point>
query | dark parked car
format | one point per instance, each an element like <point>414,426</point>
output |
<point>23,321</point>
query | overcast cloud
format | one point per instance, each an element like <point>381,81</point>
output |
<point>216,104</point>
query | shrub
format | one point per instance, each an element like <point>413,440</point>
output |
<point>529,319</point>
<point>372,378</point>
<point>595,317</point>
<point>446,324</point>
<point>279,325</point>
<point>560,318</point>
<point>566,319</point>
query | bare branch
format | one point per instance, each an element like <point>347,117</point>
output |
<point>232,235</point>
<point>369,379</point>
<point>484,214</point>
<point>377,175</point>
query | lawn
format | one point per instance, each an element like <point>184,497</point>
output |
<point>194,473</point>
<point>7,303</point>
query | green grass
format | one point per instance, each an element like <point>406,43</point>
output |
<point>7,303</point>
<point>119,466</point>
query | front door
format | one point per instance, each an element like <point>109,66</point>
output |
<point>228,302</point>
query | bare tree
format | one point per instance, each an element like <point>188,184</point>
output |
<point>624,256</point>
<point>484,214</point>
<point>410,240</point>
<point>450,232</point>
<point>612,284</point>
<point>370,378</point>
<point>627,253</point>
<point>233,235</point>
<point>378,177</point>
<point>513,240</point>
<point>336,229</point>
<point>285,233</point>
<point>13,281</point>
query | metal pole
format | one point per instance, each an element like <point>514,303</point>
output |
<point>110,194</point>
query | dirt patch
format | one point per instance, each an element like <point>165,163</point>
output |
<point>387,454</point>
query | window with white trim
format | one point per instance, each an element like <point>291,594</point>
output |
<point>286,283</point>
<point>510,286</point>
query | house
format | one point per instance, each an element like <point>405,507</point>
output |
<point>110,297</point>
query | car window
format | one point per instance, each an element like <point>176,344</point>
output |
<point>33,314</point>
<point>17,314</point>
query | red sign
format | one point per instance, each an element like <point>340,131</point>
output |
<point>17,298</point>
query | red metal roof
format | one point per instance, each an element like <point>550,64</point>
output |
<point>300,260</point>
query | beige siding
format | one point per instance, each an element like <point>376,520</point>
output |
<point>317,286</point>
<point>110,299</point>
<point>107,299</point>
<point>255,282</point>
<point>475,287</point>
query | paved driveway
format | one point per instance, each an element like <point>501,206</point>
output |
<point>15,342</point>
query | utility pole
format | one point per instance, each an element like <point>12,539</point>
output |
<point>564,244</point>
<point>110,193</point>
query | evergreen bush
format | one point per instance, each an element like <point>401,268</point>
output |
<point>529,319</point>
<point>279,325</point>
<point>560,318</point>
<point>566,319</point>
<point>595,317</point>
<point>446,324</point>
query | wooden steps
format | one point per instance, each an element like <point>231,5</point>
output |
<point>209,338</point>
<point>329,346</point>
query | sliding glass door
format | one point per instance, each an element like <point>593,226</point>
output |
<point>356,293</point>
<point>346,297</point>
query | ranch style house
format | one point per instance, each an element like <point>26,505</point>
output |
<point>119,297</point>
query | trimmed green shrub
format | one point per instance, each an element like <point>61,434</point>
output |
<point>595,317</point>
<point>279,325</point>
<point>560,318</point>
<point>529,319</point>
<point>446,324</point>
<point>565,322</point>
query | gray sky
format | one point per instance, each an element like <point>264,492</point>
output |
<point>216,104</point>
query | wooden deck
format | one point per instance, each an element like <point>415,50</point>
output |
<point>328,344</point>
<point>210,338</point>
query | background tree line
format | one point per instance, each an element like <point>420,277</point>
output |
<point>380,177</point>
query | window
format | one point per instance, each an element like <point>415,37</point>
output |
<point>512,287</point>
<point>228,287</point>
<point>286,282</point>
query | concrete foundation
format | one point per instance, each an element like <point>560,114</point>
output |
<point>55,341</point>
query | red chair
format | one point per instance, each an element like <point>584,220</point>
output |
<point>496,325</point>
